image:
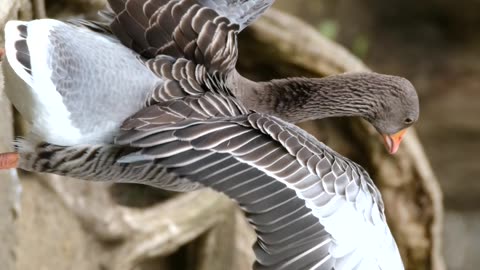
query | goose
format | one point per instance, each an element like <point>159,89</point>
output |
<point>152,96</point>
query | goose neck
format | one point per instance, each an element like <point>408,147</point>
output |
<point>300,99</point>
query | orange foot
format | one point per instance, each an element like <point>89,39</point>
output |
<point>2,52</point>
<point>8,160</point>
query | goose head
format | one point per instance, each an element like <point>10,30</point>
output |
<point>394,106</point>
<point>389,103</point>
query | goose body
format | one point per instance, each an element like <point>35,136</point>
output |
<point>76,86</point>
<point>152,96</point>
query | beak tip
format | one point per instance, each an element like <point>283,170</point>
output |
<point>392,142</point>
<point>393,150</point>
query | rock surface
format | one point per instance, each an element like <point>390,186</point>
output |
<point>50,235</point>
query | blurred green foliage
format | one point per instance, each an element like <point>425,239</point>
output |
<point>360,46</point>
<point>329,28</point>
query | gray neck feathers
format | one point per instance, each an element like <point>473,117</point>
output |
<point>300,99</point>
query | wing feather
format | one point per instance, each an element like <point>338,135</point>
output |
<point>240,12</point>
<point>178,28</point>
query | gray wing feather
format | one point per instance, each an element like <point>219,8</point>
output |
<point>178,28</point>
<point>241,12</point>
<point>285,237</point>
<point>183,78</point>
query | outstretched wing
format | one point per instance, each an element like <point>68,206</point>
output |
<point>184,137</point>
<point>301,197</point>
<point>178,28</point>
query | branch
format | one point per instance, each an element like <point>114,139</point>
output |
<point>39,10</point>
<point>143,233</point>
<point>11,10</point>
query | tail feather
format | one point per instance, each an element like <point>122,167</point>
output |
<point>17,51</point>
<point>69,89</point>
<point>28,78</point>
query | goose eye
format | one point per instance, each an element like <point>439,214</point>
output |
<point>408,121</point>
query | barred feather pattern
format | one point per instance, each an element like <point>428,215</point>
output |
<point>97,163</point>
<point>178,28</point>
<point>182,78</point>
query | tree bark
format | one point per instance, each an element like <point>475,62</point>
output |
<point>10,188</point>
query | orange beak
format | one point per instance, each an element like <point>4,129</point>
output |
<point>8,161</point>
<point>392,142</point>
